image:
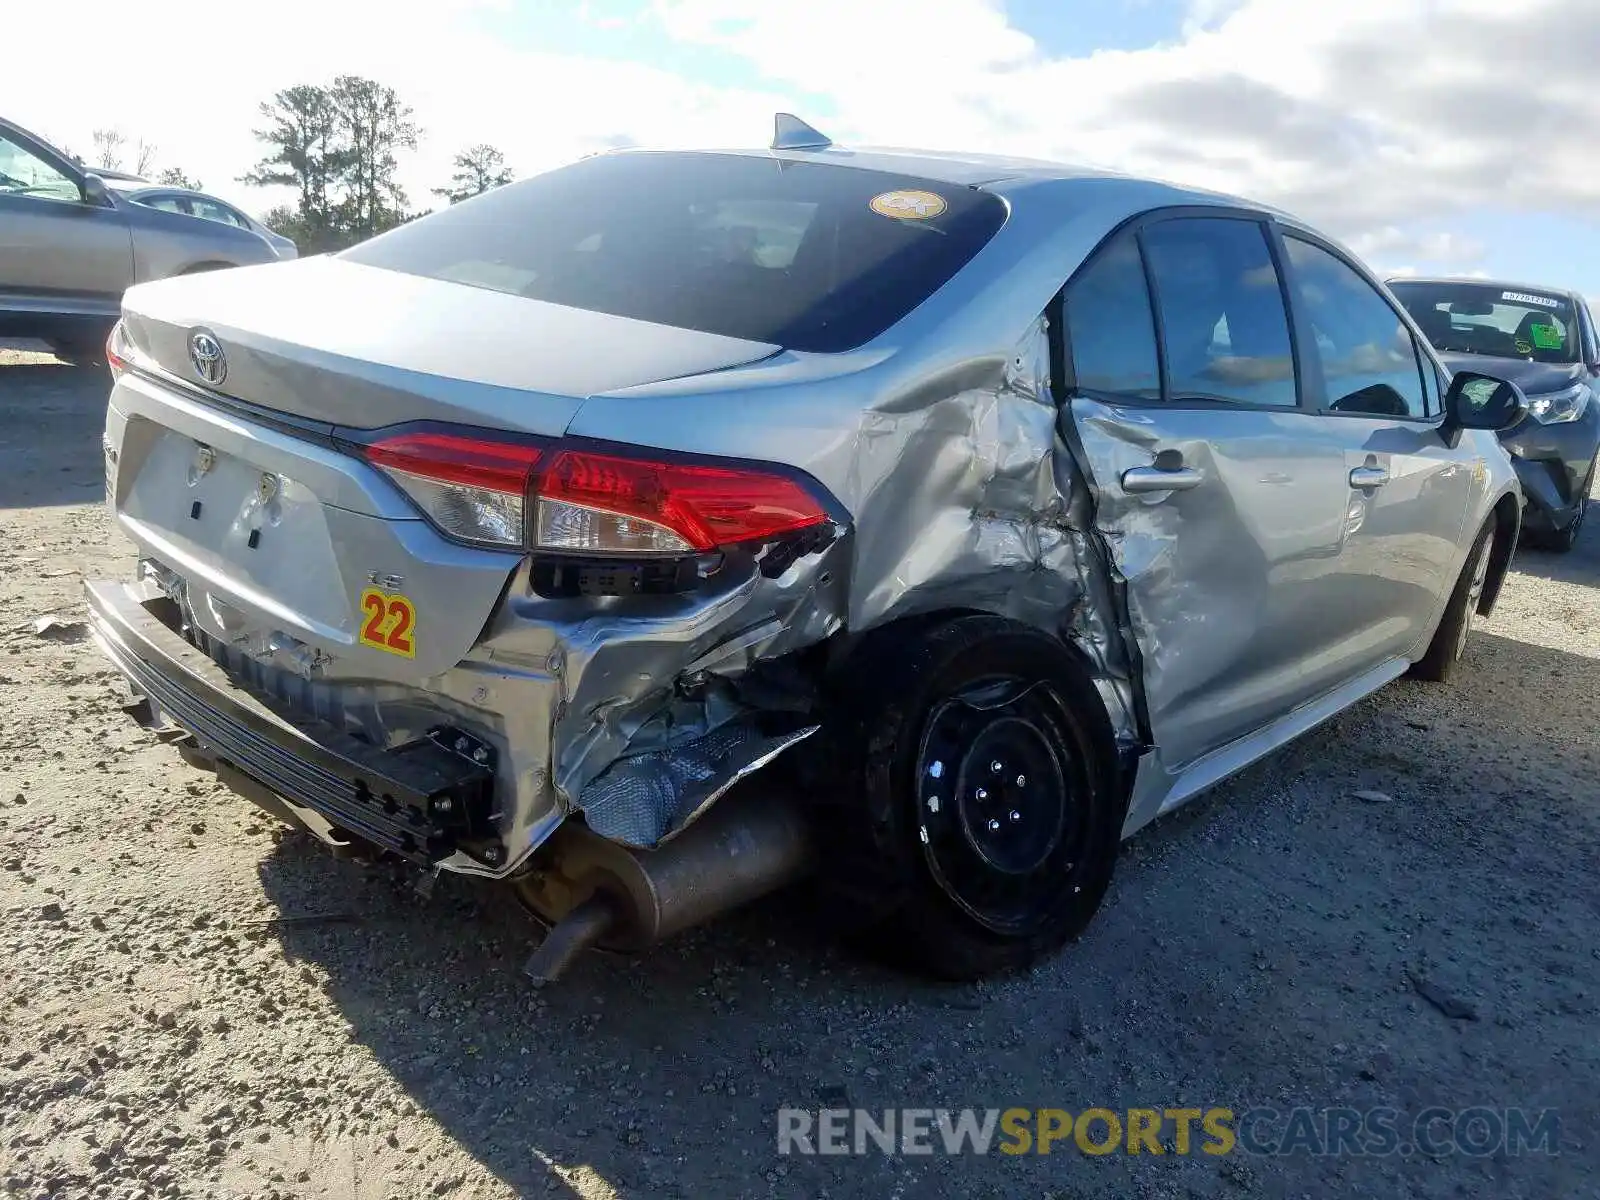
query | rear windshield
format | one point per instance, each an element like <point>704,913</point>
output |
<point>804,255</point>
<point>1492,319</point>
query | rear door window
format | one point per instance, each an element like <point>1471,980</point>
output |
<point>212,211</point>
<point>1109,326</point>
<point>1223,324</point>
<point>806,255</point>
<point>1364,351</point>
<point>167,204</point>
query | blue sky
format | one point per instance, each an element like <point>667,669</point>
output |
<point>1432,135</point>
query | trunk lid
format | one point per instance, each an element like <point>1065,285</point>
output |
<point>293,552</point>
<point>338,343</point>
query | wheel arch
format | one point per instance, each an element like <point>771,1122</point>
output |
<point>1507,514</point>
<point>850,650</point>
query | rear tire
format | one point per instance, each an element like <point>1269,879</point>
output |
<point>1450,640</point>
<point>979,810</point>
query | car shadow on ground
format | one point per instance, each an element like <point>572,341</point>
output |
<point>1257,948</point>
<point>49,406</point>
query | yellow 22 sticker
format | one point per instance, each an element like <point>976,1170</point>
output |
<point>389,622</point>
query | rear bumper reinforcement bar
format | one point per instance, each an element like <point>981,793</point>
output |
<point>419,800</point>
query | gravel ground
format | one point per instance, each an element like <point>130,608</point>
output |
<point>172,1024</point>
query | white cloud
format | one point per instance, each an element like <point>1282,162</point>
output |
<point>1361,113</point>
<point>1203,14</point>
<point>152,80</point>
<point>1381,119</point>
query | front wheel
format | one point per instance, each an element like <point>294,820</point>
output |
<point>1450,639</point>
<point>979,813</point>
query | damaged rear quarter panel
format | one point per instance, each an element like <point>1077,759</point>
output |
<point>942,447</point>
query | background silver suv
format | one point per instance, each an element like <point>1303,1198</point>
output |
<point>70,246</point>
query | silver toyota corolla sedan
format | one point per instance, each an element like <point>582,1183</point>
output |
<point>651,532</point>
<point>70,245</point>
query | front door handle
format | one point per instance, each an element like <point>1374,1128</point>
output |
<point>1368,477</point>
<point>1140,480</point>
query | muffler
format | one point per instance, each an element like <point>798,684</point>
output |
<point>593,892</point>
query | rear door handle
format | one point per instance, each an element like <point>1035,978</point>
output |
<point>1139,480</point>
<point>1368,477</point>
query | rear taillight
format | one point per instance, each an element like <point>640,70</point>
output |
<point>611,504</point>
<point>474,489</point>
<point>116,349</point>
<point>574,500</point>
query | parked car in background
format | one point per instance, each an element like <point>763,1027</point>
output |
<point>630,532</point>
<point>71,244</point>
<point>1545,340</point>
<point>193,203</point>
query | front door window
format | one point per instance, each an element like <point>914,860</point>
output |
<point>23,173</point>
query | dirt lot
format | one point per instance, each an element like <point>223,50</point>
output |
<point>171,1025</point>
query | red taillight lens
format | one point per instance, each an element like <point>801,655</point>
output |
<point>452,458</point>
<point>602,502</point>
<point>472,488</point>
<point>115,340</point>
<point>588,502</point>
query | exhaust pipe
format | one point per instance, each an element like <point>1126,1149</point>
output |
<point>594,892</point>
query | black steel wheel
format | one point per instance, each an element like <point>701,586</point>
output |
<point>979,810</point>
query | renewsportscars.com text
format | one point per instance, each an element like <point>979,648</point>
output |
<point>1374,1132</point>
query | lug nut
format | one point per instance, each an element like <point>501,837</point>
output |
<point>981,794</point>
<point>933,804</point>
<point>461,745</point>
<point>443,804</point>
<point>1015,815</point>
<point>997,766</point>
<point>480,755</point>
<point>994,826</point>
<point>1022,781</point>
<point>492,855</point>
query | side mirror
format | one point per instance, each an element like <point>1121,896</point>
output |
<point>94,191</point>
<point>1475,401</point>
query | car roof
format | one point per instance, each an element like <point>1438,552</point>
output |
<point>993,172</point>
<point>1506,285</point>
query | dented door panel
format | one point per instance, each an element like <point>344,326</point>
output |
<point>1232,583</point>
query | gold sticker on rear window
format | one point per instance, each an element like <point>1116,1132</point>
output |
<point>908,205</point>
<point>388,622</point>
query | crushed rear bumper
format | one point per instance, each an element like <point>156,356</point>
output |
<point>425,801</point>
